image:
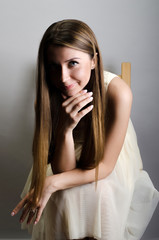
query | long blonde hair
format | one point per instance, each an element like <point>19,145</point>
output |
<point>74,34</point>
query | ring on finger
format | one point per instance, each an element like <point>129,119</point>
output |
<point>32,211</point>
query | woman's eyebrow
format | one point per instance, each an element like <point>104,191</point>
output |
<point>71,59</point>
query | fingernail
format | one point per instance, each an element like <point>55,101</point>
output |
<point>90,93</point>
<point>12,213</point>
<point>84,91</point>
<point>35,222</point>
<point>91,98</point>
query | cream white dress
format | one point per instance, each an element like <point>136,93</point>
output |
<point>120,208</point>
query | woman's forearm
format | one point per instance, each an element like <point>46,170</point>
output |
<point>77,177</point>
<point>64,156</point>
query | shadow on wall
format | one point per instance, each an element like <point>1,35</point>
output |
<point>16,151</point>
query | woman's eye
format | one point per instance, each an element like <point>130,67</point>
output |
<point>73,63</point>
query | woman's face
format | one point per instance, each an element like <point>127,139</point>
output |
<point>68,69</point>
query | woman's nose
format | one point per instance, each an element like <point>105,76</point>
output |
<point>64,74</point>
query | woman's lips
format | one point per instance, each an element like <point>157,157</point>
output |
<point>70,86</point>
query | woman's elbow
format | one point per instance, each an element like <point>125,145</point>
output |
<point>61,169</point>
<point>105,170</point>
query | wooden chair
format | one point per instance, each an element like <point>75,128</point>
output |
<point>126,72</point>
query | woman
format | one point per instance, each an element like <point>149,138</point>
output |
<point>85,143</point>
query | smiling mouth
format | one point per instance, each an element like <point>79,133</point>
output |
<point>71,86</point>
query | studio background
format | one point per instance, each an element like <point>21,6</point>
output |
<point>125,30</point>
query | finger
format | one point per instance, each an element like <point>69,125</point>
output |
<point>32,213</point>
<point>38,215</point>
<point>20,205</point>
<point>70,99</point>
<point>81,98</point>
<point>80,105</point>
<point>84,112</point>
<point>24,213</point>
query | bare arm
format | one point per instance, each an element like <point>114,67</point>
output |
<point>64,156</point>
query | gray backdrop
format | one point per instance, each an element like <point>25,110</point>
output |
<point>126,31</point>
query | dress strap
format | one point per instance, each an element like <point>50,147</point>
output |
<point>108,76</point>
